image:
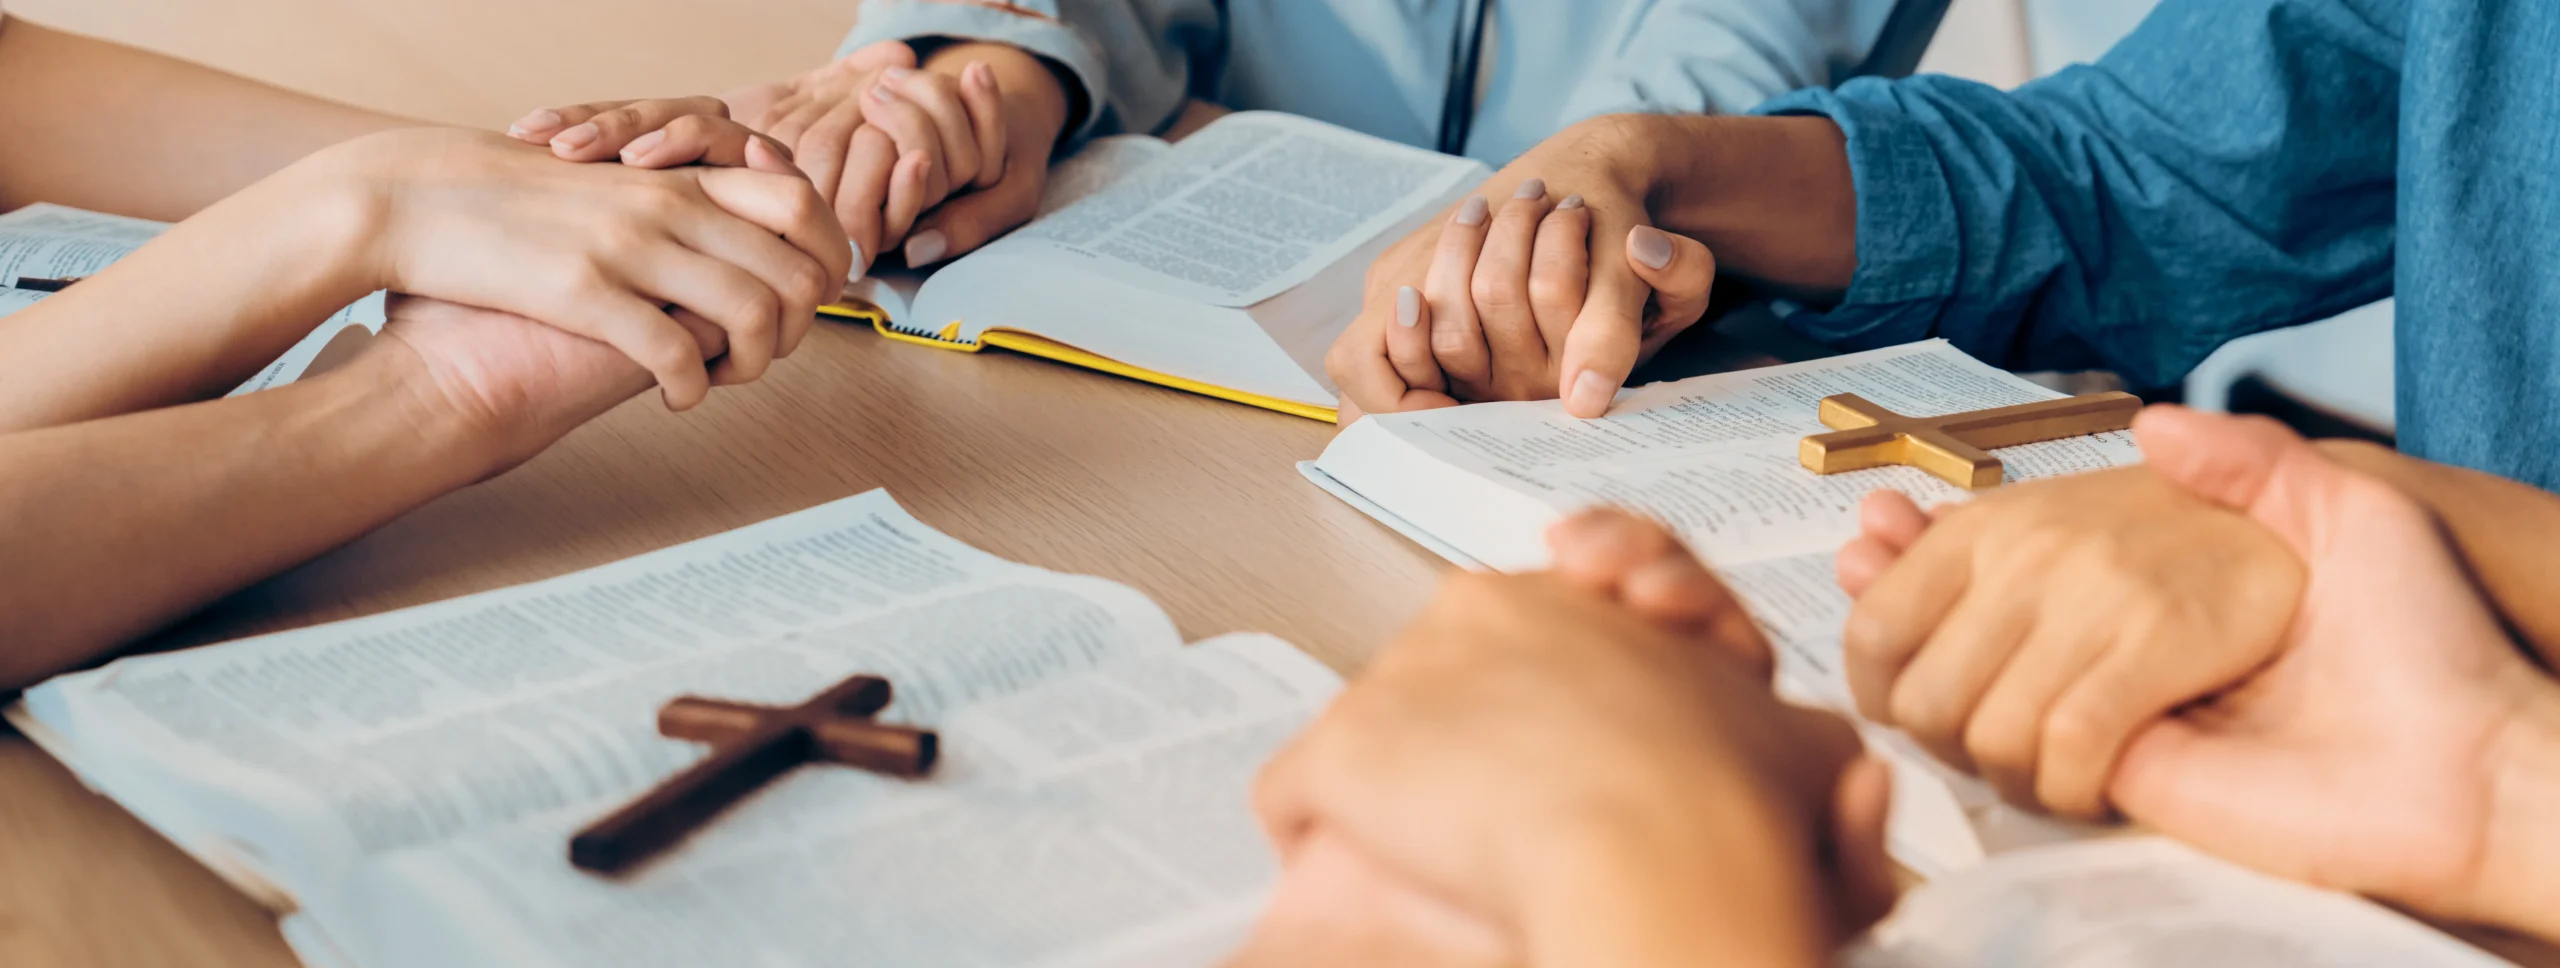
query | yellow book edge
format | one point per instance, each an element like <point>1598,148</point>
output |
<point>1033,344</point>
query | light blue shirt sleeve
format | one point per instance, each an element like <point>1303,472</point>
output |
<point>1133,57</point>
<point>2228,169</point>
<point>1722,56</point>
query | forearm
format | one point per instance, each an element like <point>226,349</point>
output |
<point>2508,534</point>
<point>191,314</point>
<point>100,126</point>
<point>1771,197</point>
<point>115,527</point>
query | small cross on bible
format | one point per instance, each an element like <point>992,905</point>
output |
<point>751,745</point>
<point>1957,446</point>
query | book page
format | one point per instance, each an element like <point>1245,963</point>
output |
<point>44,241</point>
<point>1712,456</point>
<point>2142,902</point>
<point>1099,819</point>
<point>1246,209</point>
<point>308,750</point>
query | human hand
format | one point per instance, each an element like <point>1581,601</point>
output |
<point>2028,635</point>
<point>619,255</point>
<point>2399,745</point>
<point>1644,750</point>
<point>518,385</point>
<point>1522,305</point>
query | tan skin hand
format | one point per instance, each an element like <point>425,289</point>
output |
<point>2028,635</point>
<point>1671,780</point>
<point>1518,298</point>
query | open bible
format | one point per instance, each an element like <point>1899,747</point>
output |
<point>43,247</point>
<point>402,788</point>
<point>1223,265</point>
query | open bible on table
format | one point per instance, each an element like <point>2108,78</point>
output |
<point>402,788</point>
<point>1224,265</point>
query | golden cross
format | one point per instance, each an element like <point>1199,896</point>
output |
<point>1957,446</point>
<point>751,745</point>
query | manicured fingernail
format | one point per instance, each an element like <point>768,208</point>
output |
<point>576,138</point>
<point>861,262</point>
<point>1570,203</point>
<point>927,247</point>
<point>1533,188</point>
<point>1591,393</point>
<point>1474,211</point>
<point>640,146</point>
<point>1649,246</point>
<point>979,73</point>
<point>1408,306</point>
<point>543,119</point>
<point>897,75</point>
<point>880,92</point>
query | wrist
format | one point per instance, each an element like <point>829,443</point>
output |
<point>1708,879</point>
<point>1773,197</point>
<point>394,390</point>
<point>342,220</point>
<point>2520,858</point>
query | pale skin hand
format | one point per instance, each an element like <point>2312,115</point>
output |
<point>1677,802</point>
<point>2028,635</point>
<point>936,158</point>
<point>2397,744</point>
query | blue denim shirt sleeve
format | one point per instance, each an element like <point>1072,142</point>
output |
<point>2228,169</point>
<point>1133,57</point>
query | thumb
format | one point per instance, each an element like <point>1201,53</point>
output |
<point>1681,271</point>
<point>959,226</point>
<point>1862,870</point>
<point>2253,465</point>
<point>881,55</point>
<point>1607,336</point>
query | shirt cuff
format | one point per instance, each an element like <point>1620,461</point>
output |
<point>1043,36</point>
<point>1910,252</point>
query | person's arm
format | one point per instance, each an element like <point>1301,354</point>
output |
<point>109,128</point>
<point>116,526</point>
<point>2109,215</point>
<point>2508,534</point>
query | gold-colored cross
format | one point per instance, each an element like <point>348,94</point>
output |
<point>1957,446</point>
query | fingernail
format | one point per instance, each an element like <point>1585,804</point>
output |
<point>927,247</point>
<point>640,146</point>
<point>979,73</point>
<point>1474,211</point>
<point>1591,393</point>
<point>861,262</point>
<point>576,138</point>
<point>1408,306</point>
<point>543,119</point>
<point>1570,203</point>
<point>1649,246</point>
<point>1533,188</point>
<point>897,75</point>
<point>880,92</point>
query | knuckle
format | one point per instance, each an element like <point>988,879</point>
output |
<point>1995,748</point>
<point>1494,294</point>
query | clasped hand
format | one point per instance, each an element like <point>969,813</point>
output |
<point>1558,290</point>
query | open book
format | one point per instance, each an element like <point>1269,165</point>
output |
<point>1224,265</point>
<point>402,788</point>
<point>2144,902</point>
<point>45,245</point>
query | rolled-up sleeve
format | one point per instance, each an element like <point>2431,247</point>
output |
<point>2228,169</point>
<point>1133,57</point>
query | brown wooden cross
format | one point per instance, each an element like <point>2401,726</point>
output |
<point>1957,446</point>
<point>751,745</point>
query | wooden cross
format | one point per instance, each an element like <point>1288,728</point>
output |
<point>751,745</point>
<point>1956,446</point>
